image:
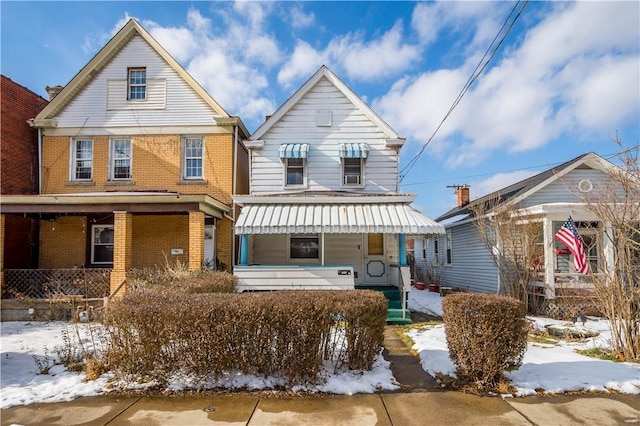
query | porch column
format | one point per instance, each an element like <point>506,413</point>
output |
<point>122,249</point>
<point>2,234</point>
<point>402,250</point>
<point>196,240</point>
<point>244,249</point>
<point>549,255</point>
<point>609,251</point>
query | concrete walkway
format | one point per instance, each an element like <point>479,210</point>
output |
<point>420,401</point>
<point>401,409</point>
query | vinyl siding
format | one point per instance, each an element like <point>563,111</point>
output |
<point>95,106</point>
<point>472,266</point>
<point>323,166</point>
<point>566,190</point>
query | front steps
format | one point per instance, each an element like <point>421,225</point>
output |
<point>394,304</point>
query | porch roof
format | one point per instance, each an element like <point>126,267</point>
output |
<point>334,218</point>
<point>134,202</point>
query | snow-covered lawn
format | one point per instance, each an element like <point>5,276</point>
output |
<point>22,384</point>
<point>554,368</point>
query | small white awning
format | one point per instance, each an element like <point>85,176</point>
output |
<point>294,150</point>
<point>355,218</point>
<point>354,150</point>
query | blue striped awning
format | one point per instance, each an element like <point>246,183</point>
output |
<point>294,150</point>
<point>354,150</point>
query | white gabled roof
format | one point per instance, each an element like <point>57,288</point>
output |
<point>325,72</point>
<point>102,58</point>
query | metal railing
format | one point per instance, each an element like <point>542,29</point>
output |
<point>54,283</point>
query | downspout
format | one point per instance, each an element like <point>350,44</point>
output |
<point>39,161</point>
<point>233,193</point>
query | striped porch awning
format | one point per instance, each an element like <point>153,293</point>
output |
<point>338,218</point>
<point>294,150</point>
<point>354,150</point>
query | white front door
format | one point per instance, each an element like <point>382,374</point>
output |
<point>210,246</point>
<point>375,268</point>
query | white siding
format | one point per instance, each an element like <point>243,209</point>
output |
<point>472,266</point>
<point>566,190</point>
<point>324,172</point>
<point>182,105</point>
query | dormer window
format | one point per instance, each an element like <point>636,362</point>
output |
<point>353,156</point>
<point>137,84</point>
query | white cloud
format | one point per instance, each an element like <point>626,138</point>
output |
<point>301,64</point>
<point>353,55</point>
<point>300,19</point>
<point>577,68</point>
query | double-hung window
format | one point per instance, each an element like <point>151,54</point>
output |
<point>137,84</point>
<point>295,171</point>
<point>81,159</point>
<point>353,156</point>
<point>193,157</point>
<point>448,243</point>
<point>352,171</point>
<point>102,244</point>
<point>120,164</point>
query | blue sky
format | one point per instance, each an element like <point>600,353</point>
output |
<point>565,81</point>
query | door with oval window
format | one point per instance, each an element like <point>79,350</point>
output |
<point>375,266</point>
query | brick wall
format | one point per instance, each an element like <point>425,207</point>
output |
<point>63,242</point>
<point>155,167</point>
<point>155,236</point>
<point>18,141</point>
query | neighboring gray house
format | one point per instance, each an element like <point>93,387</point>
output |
<point>324,210</point>
<point>460,259</point>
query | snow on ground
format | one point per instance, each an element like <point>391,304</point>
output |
<point>554,368</point>
<point>21,343</point>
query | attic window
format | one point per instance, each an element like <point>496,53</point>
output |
<point>137,84</point>
<point>323,118</point>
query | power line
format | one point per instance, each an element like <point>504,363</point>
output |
<point>472,78</point>
<point>546,165</point>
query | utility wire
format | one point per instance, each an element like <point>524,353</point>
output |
<point>546,165</point>
<point>472,78</point>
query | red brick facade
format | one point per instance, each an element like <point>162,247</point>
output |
<point>18,141</point>
<point>19,168</point>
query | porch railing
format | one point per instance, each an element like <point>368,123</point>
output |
<point>52,283</point>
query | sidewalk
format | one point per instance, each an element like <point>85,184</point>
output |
<point>420,401</point>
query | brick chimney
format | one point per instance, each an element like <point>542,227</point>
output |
<point>53,91</point>
<point>462,191</point>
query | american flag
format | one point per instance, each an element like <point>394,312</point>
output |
<point>568,235</point>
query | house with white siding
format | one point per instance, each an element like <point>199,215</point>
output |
<point>323,210</point>
<point>461,259</point>
<point>138,166</point>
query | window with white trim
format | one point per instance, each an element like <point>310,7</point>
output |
<point>294,171</point>
<point>102,244</point>
<point>120,159</point>
<point>352,171</point>
<point>424,249</point>
<point>137,84</point>
<point>81,159</point>
<point>192,157</point>
<point>448,244</point>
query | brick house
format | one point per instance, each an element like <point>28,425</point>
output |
<point>139,166</point>
<point>19,170</point>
